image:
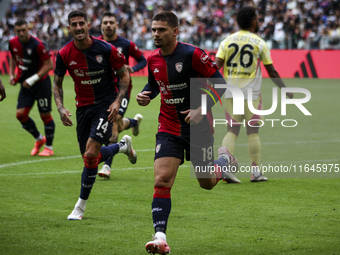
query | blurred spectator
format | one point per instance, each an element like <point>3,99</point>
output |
<point>283,23</point>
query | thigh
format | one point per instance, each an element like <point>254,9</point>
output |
<point>83,127</point>
<point>251,118</point>
<point>169,146</point>
<point>202,157</point>
<point>25,99</point>
<point>125,103</point>
<point>43,95</point>
<point>233,119</point>
<point>101,127</point>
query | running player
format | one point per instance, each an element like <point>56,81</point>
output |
<point>34,62</point>
<point>91,62</point>
<point>109,26</point>
<point>171,67</point>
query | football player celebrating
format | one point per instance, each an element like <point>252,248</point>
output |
<point>171,68</point>
<point>91,62</point>
<point>34,62</point>
<point>109,27</point>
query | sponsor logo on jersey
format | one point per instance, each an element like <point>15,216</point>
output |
<point>72,63</point>
<point>95,81</point>
<point>29,51</point>
<point>158,147</point>
<point>177,86</point>
<point>174,100</point>
<point>79,72</point>
<point>179,67</point>
<point>99,58</point>
<point>24,68</point>
<point>156,70</point>
<point>204,58</point>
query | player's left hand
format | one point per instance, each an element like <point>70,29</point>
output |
<point>113,109</point>
<point>290,95</point>
<point>129,68</point>
<point>193,116</point>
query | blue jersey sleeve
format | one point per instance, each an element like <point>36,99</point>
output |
<point>141,63</point>
<point>151,86</point>
<point>60,67</point>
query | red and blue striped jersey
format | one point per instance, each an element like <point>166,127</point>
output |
<point>92,70</point>
<point>171,74</point>
<point>29,57</point>
<point>128,48</point>
<point>125,46</point>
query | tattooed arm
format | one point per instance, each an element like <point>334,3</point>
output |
<point>59,100</point>
<point>123,87</point>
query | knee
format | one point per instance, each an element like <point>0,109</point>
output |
<point>120,125</point>
<point>160,181</point>
<point>22,117</point>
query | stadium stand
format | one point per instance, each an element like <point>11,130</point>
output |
<point>292,24</point>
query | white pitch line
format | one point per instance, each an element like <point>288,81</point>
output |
<point>182,166</point>
<point>145,150</point>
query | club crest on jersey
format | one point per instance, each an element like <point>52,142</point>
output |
<point>99,58</point>
<point>179,67</point>
<point>119,54</point>
<point>29,51</point>
<point>204,58</point>
<point>158,147</point>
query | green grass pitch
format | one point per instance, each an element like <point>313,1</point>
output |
<point>296,215</point>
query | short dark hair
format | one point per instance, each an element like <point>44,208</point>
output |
<point>20,22</point>
<point>245,17</point>
<point>167,16</point>
<point>77,13</point>
<point>109,14</point>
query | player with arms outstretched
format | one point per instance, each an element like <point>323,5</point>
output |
<point>109,26</point>
<point>34,62</point>
<point>171,67</point>
<point>242,53</point>
<point>91,62</point>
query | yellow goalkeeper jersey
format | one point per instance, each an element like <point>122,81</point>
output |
<point>242,53</point>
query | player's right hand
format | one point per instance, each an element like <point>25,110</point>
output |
<point>12,81</point>
<point>143,98</point>
<point>2,91</point>
<point>65,116</point>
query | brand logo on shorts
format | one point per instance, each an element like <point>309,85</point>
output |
<point>100,135</point>
<point>156,70</point>
<point>29,51</point>
<point>99,58</point>
<point>158,147</point>
<point>72,63</point>
<point>179,67</point>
